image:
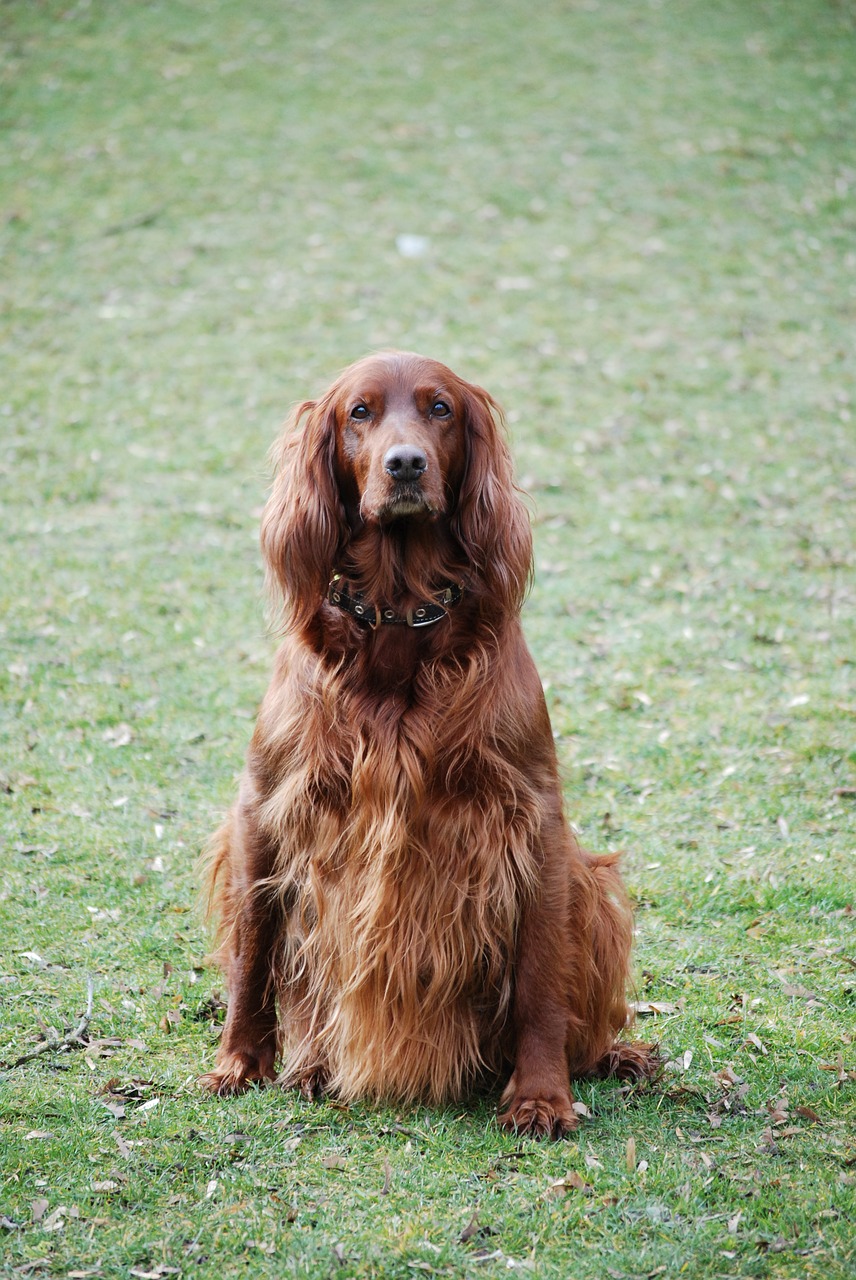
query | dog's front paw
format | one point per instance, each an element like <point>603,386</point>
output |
<point>236,1071</point>
<point>540,1113</point>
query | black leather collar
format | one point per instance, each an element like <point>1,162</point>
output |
<point>424,614</point>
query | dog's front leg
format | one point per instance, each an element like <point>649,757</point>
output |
<point>538,1098</point>
<point>250,928</point>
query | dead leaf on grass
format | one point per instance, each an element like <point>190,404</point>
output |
<point>38,1209</point>
<point>838,1067</point>
<point>121,735</point>
<point>682,1062</point>
<point>767,1141</point>
<point>56,1221</point>
<point>794,989</point>
<point>778,1110</point>
<point>334,1162</point>
<point>470,1230</point>
<point>572,1181</point>
<point>645,1008</point>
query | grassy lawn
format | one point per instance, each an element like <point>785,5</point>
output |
<point>637,228</point>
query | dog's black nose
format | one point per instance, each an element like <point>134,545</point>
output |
<point>405,462</point>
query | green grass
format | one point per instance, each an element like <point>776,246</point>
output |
<point>641,225</point>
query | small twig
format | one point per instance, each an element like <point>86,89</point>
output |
<point>135,220</point>
<point>61,1044</point>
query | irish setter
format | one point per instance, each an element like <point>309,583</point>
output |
<point>404,912</point>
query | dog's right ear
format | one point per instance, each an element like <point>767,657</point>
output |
<point>303,526</point>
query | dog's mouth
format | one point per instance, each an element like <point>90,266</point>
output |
<point>405,500</point>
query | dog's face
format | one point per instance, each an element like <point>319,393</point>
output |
<point>397,441</point>
<point>400,428</point>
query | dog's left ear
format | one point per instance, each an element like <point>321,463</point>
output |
<point>303,525</point>
<point>490,521</point>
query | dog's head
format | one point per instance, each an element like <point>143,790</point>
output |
<point>396,438</point>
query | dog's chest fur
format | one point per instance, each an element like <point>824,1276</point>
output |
<point>404,857</point>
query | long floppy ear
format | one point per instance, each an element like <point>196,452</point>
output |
<point>490,522</point>
<point>303,525</point>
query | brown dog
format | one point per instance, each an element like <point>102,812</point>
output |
<point>403,909</point>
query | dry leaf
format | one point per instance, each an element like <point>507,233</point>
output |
<point>837,1067</point>
<point>470,1230</point>
<point>121,735</point>
<point>794,989</point>
<point>572,1181</point>
<point>38,1209</point>
<point>652,1008</point>
<point>808,1114</point>
<point>768,1141</point>
<point>55,1221</point>
<point>630,1155</point>
<point>334,1162</point>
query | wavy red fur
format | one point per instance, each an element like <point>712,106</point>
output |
<point>403,910</point>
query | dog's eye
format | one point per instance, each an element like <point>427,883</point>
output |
<point>360,412</point>
<point>440,409</point>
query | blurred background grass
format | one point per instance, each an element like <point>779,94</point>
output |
<point>634,223</point>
